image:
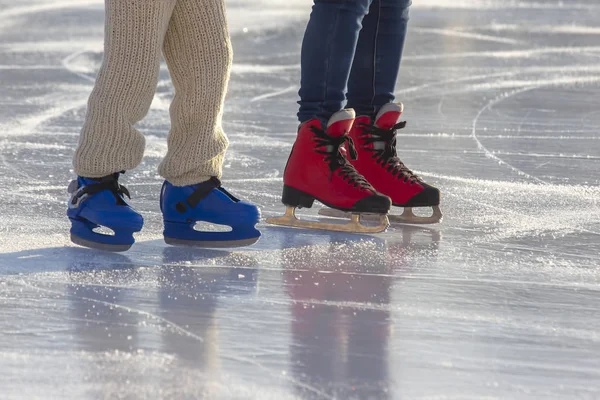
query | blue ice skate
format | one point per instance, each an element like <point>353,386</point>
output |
<point>183,207</point>
<point>97,203</point>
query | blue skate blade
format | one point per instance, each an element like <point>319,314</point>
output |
<point>184,234</point>
<point>82,234</point>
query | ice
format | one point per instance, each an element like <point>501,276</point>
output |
<point>500,301</point>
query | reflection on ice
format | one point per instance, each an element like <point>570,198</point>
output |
<point>500,300</point>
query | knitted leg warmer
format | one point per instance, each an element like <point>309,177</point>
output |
<point>125,86</point>
<point>198,53</point>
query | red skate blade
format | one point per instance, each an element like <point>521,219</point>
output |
<point>407,217</point>
<point>354,226</point>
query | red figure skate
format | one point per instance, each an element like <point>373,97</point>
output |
<point>318,170</point>
<point>379,163</point>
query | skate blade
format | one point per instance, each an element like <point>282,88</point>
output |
<point>407,217</point>
<point>214,244</point>
<point>354,226</point>
<point>184,234</point>
<point>114,248</point>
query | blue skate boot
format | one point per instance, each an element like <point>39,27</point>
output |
<point>100,202</point>
<point>183,207</point>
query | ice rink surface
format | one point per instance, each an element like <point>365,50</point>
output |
<point>500,301</point>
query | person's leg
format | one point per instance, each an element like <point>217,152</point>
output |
<point>109,143</point>
<point>124,88</point>
<point>371,93</point>
<point>317,168</point>
<point>327,52</point>
<point>199,55</point>
<point>378,54</point>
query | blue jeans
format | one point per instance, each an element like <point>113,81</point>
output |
<point>351,51</point>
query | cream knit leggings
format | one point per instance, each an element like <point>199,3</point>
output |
<point>193,36</point>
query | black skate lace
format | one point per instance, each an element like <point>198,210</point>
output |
<point>202,190</point>
<point>388,156</point>
<point>109,183</point>
<point>336,160</point>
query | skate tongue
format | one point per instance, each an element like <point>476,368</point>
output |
<point>341,122</point>
<point>389,115</point>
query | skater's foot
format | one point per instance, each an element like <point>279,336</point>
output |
<point>378,161</point>
<point>318,170</point>
<point>98,204</point>
<point>183,207</point>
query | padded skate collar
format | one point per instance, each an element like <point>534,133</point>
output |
<point>389,115</point>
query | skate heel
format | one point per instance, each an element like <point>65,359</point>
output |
<point>296,198</point>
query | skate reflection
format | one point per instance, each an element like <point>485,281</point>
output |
<point>341,318</point>
<point>189,297</point>
<point>95,290</point>
<point>397,236</point>
<point>130,321</point>
<point>103,310</point>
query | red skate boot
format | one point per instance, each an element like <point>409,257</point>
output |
<point>318,170</point>
<point>379,163</point>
